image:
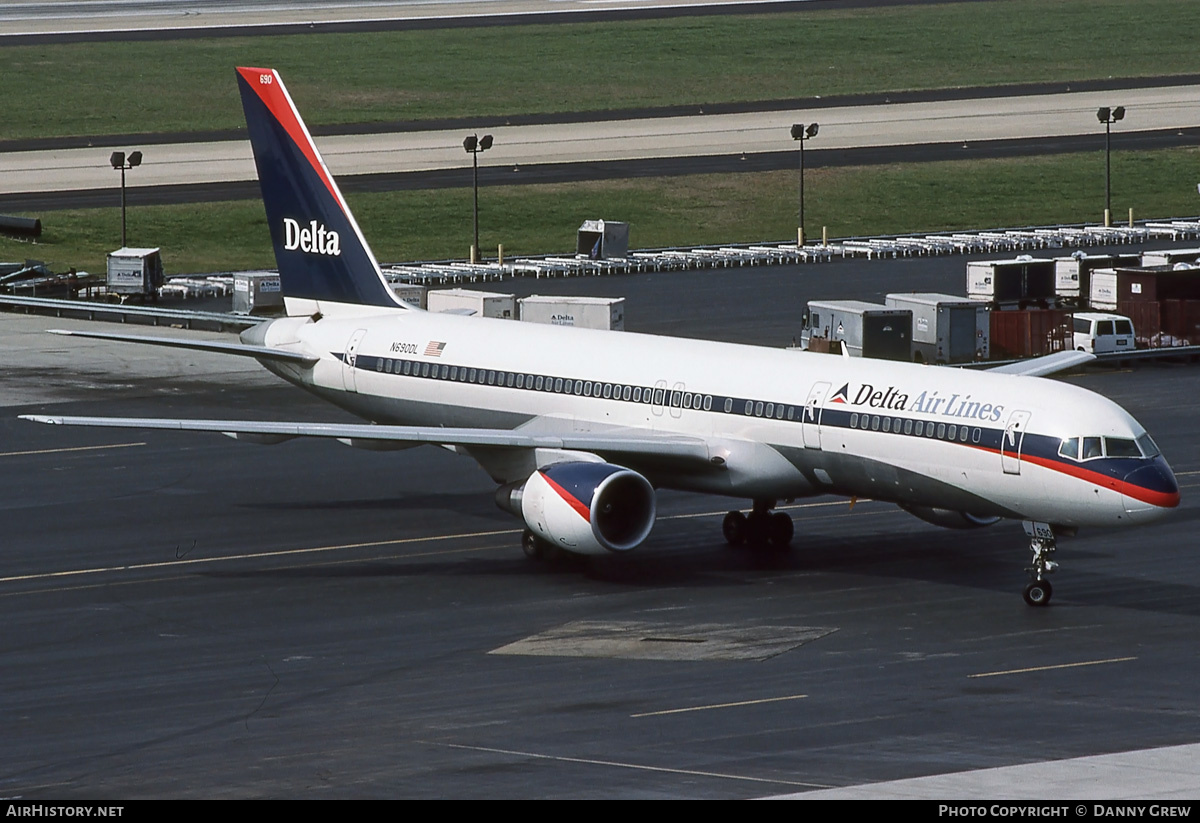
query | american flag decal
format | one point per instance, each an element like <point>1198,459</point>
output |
<point>434,349</point>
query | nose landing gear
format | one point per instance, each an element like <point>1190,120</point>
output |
<point>1041,543</point>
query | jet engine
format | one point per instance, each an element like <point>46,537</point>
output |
<point>948,518</point>
<point>586,508</point>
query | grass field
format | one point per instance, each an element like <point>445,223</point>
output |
<point>692,210</point>
<point>180,85</point>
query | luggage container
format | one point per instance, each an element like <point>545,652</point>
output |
<point>946,328</point>
<point>135,272</point>
<point>1117,289</point>
<point>472,302</point>
<point>866,329</point>
<point>1072,274</point>
<point>584,312</point>
<point>257,293</point>
<point>1169,257</point>
<point>411,293</point>
<point>1024,333</point>
<point>1023,282</point>
<point>602,239</point>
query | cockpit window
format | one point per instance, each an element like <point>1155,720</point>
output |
<point>1120,447</point>
<point>1070,448</point>
<point>1147,445</point>
<point>1092,448</point>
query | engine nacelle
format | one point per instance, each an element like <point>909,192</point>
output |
<point>948,518</point>
<point>587,508</point>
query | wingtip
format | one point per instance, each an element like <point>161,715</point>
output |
<point>39,418</point>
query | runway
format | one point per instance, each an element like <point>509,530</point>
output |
<point>187,616</point>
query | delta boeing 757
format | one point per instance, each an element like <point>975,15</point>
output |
<point>579,427</point>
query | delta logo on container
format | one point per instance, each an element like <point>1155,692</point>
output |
<point>313,238</point>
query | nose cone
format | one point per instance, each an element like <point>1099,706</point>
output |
<point>1150,490</point>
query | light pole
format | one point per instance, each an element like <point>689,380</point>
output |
<point>475,144</point>
<point>1108,116</point>
<point>120,161</point>
<point>800,133</point>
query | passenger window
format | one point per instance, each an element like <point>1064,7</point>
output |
<point>1082,326</point>
<point>728,405</point>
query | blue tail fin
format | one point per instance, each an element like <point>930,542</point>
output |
<point>320,250</point>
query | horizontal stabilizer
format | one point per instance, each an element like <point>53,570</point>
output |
<point>259,352</point>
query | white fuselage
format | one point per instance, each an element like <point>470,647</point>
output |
<point>780,424</point>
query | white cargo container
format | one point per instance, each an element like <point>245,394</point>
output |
<point>256,293</point>
<point>1072,274</point>
<point>1102,291</point>
<point>135,271</point>
<point>585,312</point>
<point>411,293</point>
<point>472,302</point>
<point>1020,281</point>
<point>946,328</point>
<point>1169,257</point>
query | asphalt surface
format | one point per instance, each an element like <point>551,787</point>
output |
<point>187,616</point>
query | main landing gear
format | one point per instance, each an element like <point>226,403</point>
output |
<point>762,527</point>
<point>1041,543</point>
<point>536,548</point>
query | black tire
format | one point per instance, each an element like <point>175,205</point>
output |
<point>781,530</point>
<point>1038,592</point>
<point>758,529</point>
<point>733,527</point>
<point>533,546</point>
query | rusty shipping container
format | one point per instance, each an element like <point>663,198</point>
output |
<point>1030,333</point>
<point>1181,321</point>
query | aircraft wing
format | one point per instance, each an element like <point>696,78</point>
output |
<point>384,437</point>
<point>1049,364</point>
<point>260,352</point>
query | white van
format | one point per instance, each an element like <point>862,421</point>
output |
<point>1100,333</point>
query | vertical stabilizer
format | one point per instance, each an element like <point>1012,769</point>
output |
<point>321,253</point>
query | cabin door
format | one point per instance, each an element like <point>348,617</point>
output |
<point>810,422</point>
<point>1012,440</point>
<point>349,358</point>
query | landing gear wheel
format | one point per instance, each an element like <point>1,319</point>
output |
<point>734,528</point>
<point>1043,545</point>
<point>780,530</point>
<point>1038,592</point>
